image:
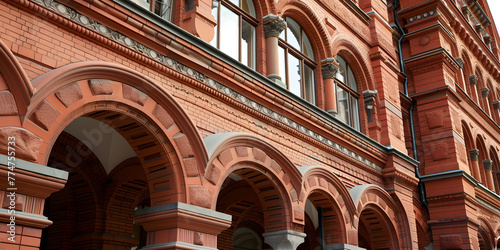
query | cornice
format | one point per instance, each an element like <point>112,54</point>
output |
<point>77,22</point>
<point>420,62</point>
<point>394,175</point>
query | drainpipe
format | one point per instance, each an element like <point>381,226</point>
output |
<point>421,185</point>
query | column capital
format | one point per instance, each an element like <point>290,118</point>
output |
<point>487,164</point>
<point>284,239</point>
<point>460,62</point>
<point>473,79</point>
<point>474,154</point>
<point>273,25</point>
<point>369,96</point>
<point>496,104</point>
<point>485,92</point>
<point>329,68</point>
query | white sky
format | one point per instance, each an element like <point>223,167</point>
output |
<point>495,11</point>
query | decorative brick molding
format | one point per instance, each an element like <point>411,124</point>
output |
<point>460,62</point>
<point>219,87</point>
<point>421,16</point>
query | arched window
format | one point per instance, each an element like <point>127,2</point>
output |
<point>347,95</point>
<point>162,8</point>
<point>297,61</point>
<point>235,32</point>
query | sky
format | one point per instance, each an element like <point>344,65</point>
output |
<point>495,11</point>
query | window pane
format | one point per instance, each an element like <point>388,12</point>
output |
<point>236,2</point>
<point>352,80</point>
<point>293,33</point>
<point>229,35</point>
<point>163,8</point>
<point>215,11</point>
<point>309,84</point>
<point>294,75</point>
<point>247,44</point>
<point>142,3</point>
<point>341,75</point>
<point>282,73</point>
<point>342,105</point>
<point>306,46</point>
<point>354,113</point>
<point>247,5</point>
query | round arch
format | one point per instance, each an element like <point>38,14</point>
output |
<point>60,80</point>
<point>320,183</point>
<point>375,203</point>
<point>262,166</point>
<point>16,79</point>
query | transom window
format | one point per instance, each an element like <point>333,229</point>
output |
<point>162,8</point>
<point>347,95</point>
<point>235,31</point>
<point>297,61</point>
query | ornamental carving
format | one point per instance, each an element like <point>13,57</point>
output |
<point>487,164</point>
<point>329,68</point>
<point>485,92</point>
<point>473,79</point>
<point>496,105</point>
<point>369,97</point>
<point>460,62</point>
<point>273,25</point>
<point>474,154</point>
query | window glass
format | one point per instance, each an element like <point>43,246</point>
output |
<point>347,95</point>
<point>235,33</point>
<point>294,73</point>
<point>247,44</point>
<point>162,8</point>
<point>297,69</point>
<point>229,41</point>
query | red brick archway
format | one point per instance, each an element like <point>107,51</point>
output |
<point>378,225</point>
<point>274,179</point>
<point>324,189</point>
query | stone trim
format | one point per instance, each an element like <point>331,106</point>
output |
<point>485,92</point>
<point>474,154</point>
<point>473,79</point>
<point>185,207</point>
<point>369,97</point>
<point>487,164</point>
<point>496,104</point>
<point>36,168</point>
<point>175,65</point>
<point>329,68</point>
<point>284,239</point>
<point>177,245</point>
<point>421,16</point>
<point>273,25</point>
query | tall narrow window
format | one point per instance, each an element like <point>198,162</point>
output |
<point>297,61</point>
<point>347,95</point>
<point>162,8</point>
<point>235,31</point>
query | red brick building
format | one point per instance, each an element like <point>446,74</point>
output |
<point>249,124</point>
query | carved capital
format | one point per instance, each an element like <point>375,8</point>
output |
<point>496,104</point>
<point>479,28</point>
<point>465,10</point>
<point>273,25</point>
<point>487,164</point>
<point>473,79</point>
<point>474,154</point>
<point>329,68</point>
<point>485,92</point>
<point>460,62</point>
<point>487,39</point>
<point>369,97</point>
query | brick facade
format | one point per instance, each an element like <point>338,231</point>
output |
<point>131,131</point>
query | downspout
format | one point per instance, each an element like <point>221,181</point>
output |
<point>421,185</point>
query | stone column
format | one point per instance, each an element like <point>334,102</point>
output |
<point>489,174</point>
<point>474,157</point>
<point>284,239</point>
<point>273,26</point>
<point>182,226</point>
<point>329,68</point>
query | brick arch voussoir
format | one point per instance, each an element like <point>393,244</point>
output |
<point>88,84</point>
<point>366,196</point>
<point>310,22</point>
<point>321,179</point>
<point>230,152</point>
<point>357,60</point>
<point>20,89</point>
<point>486,225</point>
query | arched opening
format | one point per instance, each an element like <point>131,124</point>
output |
<point>375,230</point>
<point>483,239</point>
<point>249,196</point>
<point>323,222</point>
<point>111,157</point>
